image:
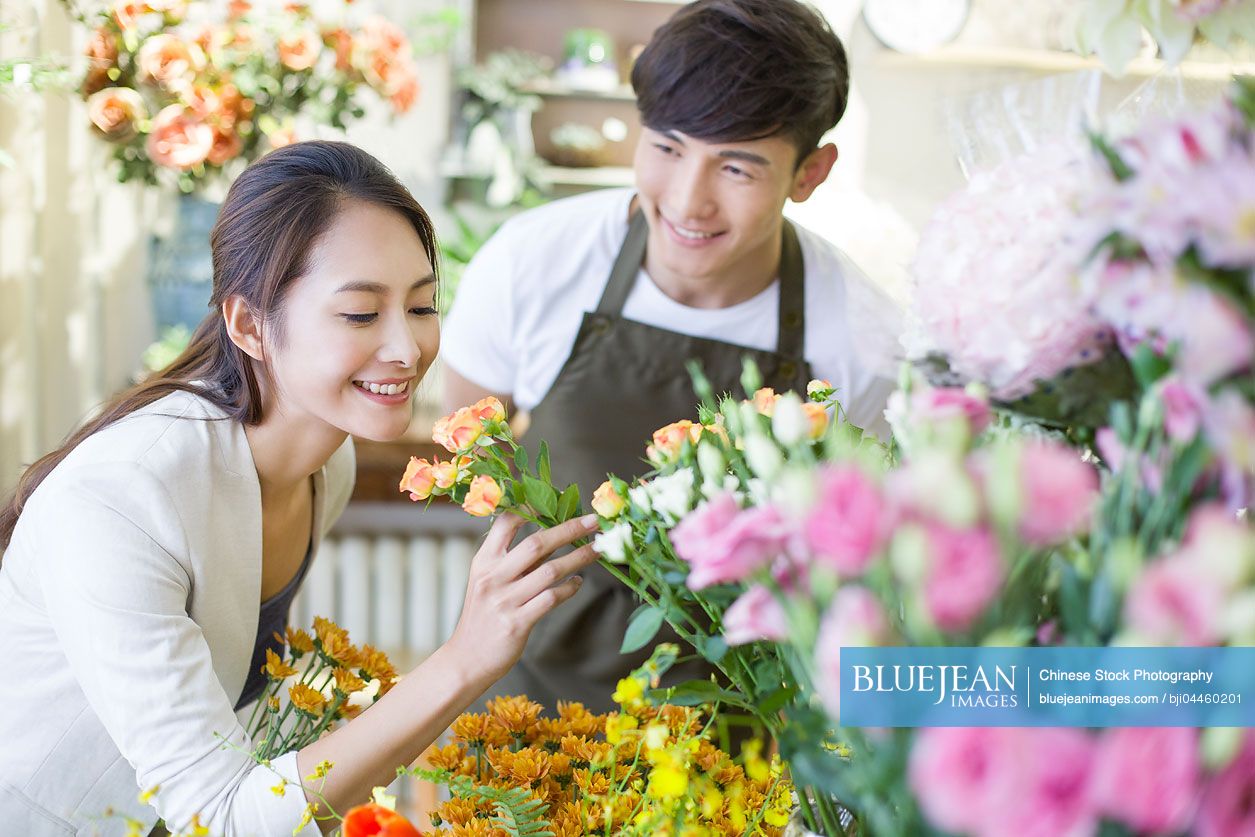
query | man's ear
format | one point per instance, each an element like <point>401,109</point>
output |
<point>243,327</point>
<point>812,172</point>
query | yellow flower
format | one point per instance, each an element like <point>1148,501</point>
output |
<point>616,725</point>
<point>348,682</point>
<point>448,757</point>
<point>668,781</point>
<point>275,668</point>
<point>320,771</point>
<point>457,811</point>
<point>272,703</point>
<point>306,817</point>
<point>756,766</point>
<point>480,728</point>
<point>337,648</point>
<point>628,692</point>
<point>656,736</point>
<point>280,789</point>
<point>307,699</point>
<point>375,665</point>
<point>299,641</point>
<point>607,502</point>
<point>146,796</point>
<point>517,714</point>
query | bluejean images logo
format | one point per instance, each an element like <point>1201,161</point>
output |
<point>960,686</point>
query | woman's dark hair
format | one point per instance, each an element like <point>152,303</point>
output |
<point>738,70</point>
<point>274,214</point>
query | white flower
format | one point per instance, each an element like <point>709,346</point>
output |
<point>671,497</point>
<point>614,543</point>
<point>639,497</point>
<point>729,484</point>
<point>789,424</point>
<point>759,491</point>
<point>763,456</point>
<point>710,462</point>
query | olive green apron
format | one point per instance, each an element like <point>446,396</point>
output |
<point>622,381</point>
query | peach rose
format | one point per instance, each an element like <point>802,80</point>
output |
<point>233,106</point>
<point>765,401</point>
<point>488,409</point>
<point>202,101</point>
<point>405,94</point>
<point>342,42</point>
<point>299,49</point>
<point>169,62</point>
<point>669,440</point>
<point>102,49</point>
<point>458,431</point>
<point>483,497</point>
<point>818,418</point>
<point>178,139</point>
<point>227,145</point>
<point>236,9</point>
<point>418,479</point>
<point>114,111</point>
<point>607,502</point>
<point>127,15</point>
<point>281,137</point>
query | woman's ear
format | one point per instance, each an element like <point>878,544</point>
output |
<point>243,327</point>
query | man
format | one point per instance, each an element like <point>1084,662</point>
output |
<point>734,97</point>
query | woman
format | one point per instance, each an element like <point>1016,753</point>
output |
<point>147,557</point>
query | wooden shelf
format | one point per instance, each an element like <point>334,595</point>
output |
<point>557,90</point>
<point>1048,61</point>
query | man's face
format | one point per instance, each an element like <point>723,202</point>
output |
<point>712,205</point>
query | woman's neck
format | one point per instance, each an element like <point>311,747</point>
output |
<point>286,455</point>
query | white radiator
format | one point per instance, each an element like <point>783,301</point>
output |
<point>393,575</point>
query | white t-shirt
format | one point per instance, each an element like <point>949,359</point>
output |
<point>521,300</point>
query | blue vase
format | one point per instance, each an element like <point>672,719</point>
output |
<point>180,266</point>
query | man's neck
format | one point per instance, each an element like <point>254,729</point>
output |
<point>740,282</point>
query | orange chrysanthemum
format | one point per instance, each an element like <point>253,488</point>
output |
<point>448,757</point>
<point>516,714</point>
<point>299,641</point>
<point>529,766</point>
<point>479,728</point>
<point>348,682</point>
<point>307,699</point>
<point>275,668</point>
<point>456,812</point>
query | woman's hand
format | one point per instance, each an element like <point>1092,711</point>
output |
<point>510,589</point>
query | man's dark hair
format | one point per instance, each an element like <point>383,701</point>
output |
<point>737,70</point>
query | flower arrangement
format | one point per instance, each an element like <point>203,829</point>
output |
<point>649,768</point>
<point>196,89</point>
<point>1114,28</point>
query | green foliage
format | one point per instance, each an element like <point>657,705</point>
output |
<point>519,813</point>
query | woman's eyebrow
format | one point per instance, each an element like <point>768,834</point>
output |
<point>364,286</point>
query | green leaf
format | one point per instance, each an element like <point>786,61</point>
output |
<point>541,496</point>
<point>520,461</point>
<point>776,700</point>
<point>542,463</point>
<point>713,648</point>
<point>644,626</point>
<point>699,692</point>
<point>568,503</point>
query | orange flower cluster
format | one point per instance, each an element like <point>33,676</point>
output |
<point>459,433</point>
<point>622,773</point>
<point>194,94</point>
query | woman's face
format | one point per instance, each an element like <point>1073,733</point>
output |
<point>359,328</point>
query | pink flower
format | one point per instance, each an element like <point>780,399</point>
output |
<point>1059,491</point>
<point>962,776</point>
<point>848,525</point>
<point>1113,453</point>
<point>1229,422</point>
<point>178,139</point>
<point>1172,604</point>
<point>1219,546</point>
<point>1227,809</point>
<point>948,403</point>
<point>854,619</point>
<point>1183,408</point>
<point>1052,794</point>
<point>1215,338</point>
<point>755,616</point>
<point>964,574</point>
<point>1148,779</point>
<point>724,543</point>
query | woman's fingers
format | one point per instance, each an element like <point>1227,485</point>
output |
<point>549,598</point>
<point>550,572</point>
<point>501,534</point>
<point>535,548</point>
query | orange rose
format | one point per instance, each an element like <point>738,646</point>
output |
<point>202,101</point>
<point>281,137</point>
<point>445,473</point>
<point>232,106</point>
<point>114,111</point>
<point>458,431</point>
<point>178,139</point>
<point>418,479</point>
<point>169,62</point>
<point>818,417</point>
<point>371,820</point>
<point>483,497</point>
<point>227,146</point>
<point>299,49</point>
<point>607,502</point>
<point>102,49</point>
<point>127,15</point>
<point>669,440</point>
<point>488,409</point>
<point>342,42</point>
<point>405,93</point>
<point>765,401</point>
<point>238,8</point>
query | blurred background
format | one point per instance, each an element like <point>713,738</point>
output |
<point>483,108</point>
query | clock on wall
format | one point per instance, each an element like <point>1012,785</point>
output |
<point>915,26</point>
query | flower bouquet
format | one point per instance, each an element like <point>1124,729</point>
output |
<point>193,89</point>
<point>648,768</point>
<point>1113,28</point>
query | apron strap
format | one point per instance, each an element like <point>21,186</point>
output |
<point>791,329</point>
<point>626,267</point>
